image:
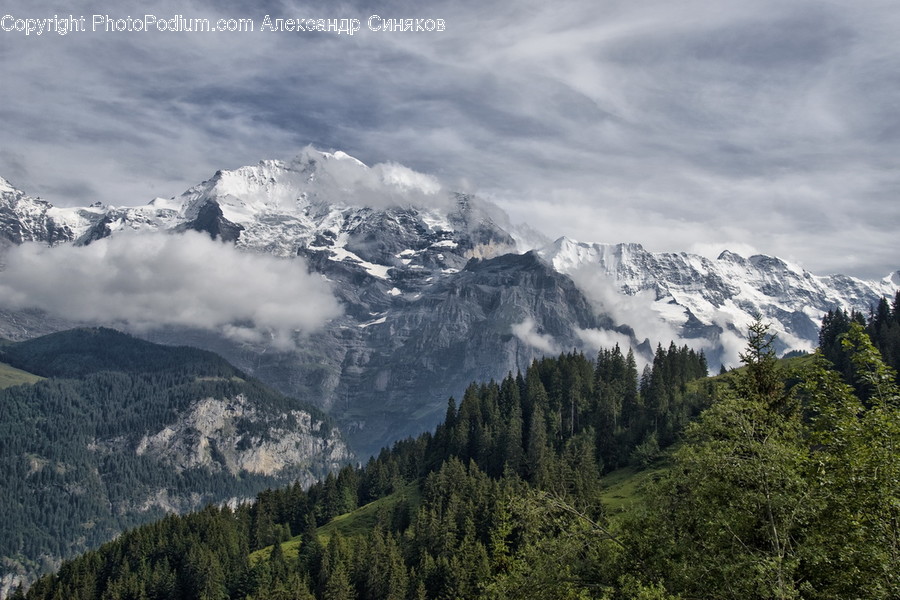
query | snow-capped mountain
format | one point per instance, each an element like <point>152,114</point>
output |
<point>434,290</point>
<point>381,217</point>
<point>26,219</point>
<point>711,301</point>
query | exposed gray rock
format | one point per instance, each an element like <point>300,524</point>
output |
<point>214,435</point>
<point>435,294</point>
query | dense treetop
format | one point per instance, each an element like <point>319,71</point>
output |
<point>72,478</point>
<point>782,481</point>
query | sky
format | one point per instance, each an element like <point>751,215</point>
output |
<point>763,126</point>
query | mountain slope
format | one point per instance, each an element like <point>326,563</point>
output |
<point>439,516</point>
<point>433,290</point>
<point>123,431</point>
<point>713,300</point>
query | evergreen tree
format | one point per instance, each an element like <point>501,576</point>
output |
<point>334,576</point>
<point>511,426</point>
<point>537,456</point>
<point>726,521</point>
<point>855,550</point>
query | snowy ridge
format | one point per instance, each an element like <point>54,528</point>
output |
<point>317,202</point>
<point>892,280</point>
<point>27,219</point>
<point>321,202</point>
<point>6,187</point>
<point>705,298</point>
<point>386,235</point>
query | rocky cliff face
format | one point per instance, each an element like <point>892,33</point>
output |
<point>235,435</point>
<point>26,219</point>
<point>118,431</point>
<point>434,291</point>
<point>473,326</point>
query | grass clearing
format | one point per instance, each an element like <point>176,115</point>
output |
<point>352,524</point>
<point>363,520</point>
<point>622,487</point>
<point>290,549</point>
<point>10,376</point>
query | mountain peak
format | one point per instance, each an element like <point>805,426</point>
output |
<point>313,178</point>
<point>567,242</point>
<point>311,157</point>
<point>893,279</point>
<point>6,186</point>
<point>728,255</point>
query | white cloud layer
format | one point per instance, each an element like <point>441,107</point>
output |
<point>527,333</point>
<point>340,178</point>
<point>642,313</point>
<point>636,311</point>
<point>666,122</point>
<point>143,281</point>
<point>604,339</point>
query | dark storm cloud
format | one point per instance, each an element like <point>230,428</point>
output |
<point>677,124</point>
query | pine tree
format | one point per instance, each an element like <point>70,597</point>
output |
<point>334,575</point>
<point>511,440</point>
<point>537,457</point>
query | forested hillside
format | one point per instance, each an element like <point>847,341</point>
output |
<point>785,486</point>
<point>882,326</point>
<point>555,428</point>
<point>123,431</point>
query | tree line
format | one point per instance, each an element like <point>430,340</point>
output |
<point>782,481</point>
<point>71,476</point>
<point>557,427</point>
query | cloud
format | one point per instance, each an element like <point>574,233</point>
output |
<point>666,123</point>
<point>527,333</point>
<point>651,320</point>
<point>406,179</point>
<point>340,178</point>
<point>142,281</point>
<point>637,311</point>
<point>603,339</point>
<point>606,339</point>
<point>732,347</point>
